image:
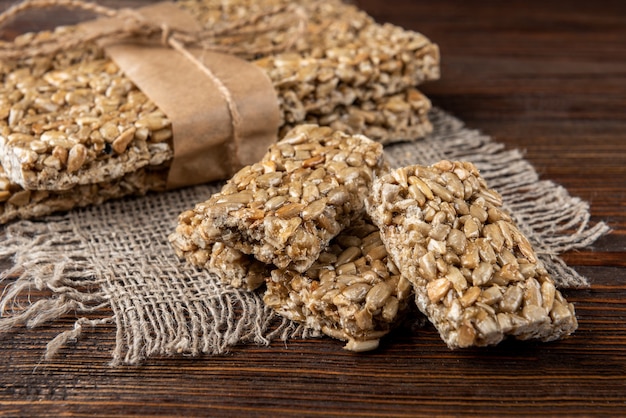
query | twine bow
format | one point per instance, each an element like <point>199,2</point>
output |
<point>243,31</point>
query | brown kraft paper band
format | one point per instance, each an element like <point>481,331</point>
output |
<point>206,146</point>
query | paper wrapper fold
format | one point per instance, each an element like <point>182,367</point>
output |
<point>211,140</point>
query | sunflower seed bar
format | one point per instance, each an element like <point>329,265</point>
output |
<point>81,124</point>
<point>16,202</point>
<point>344,56</point>
<point>474,273</point>
<point>400,117</point>
<point>286,208</point>
<point>352,292</point>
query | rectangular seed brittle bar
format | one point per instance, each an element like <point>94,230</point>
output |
<point>286,208</point>
<point>81,124</point>
<point>16,202</point>
<point>474,273</point>
<point>352,292</point>
<point>395,118</point>
<point>342,57</point>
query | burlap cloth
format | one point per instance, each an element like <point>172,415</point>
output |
<point>113,263</point>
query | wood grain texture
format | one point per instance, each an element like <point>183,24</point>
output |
<point>545,77</point>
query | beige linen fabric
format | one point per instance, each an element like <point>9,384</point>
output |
<point>113,263</point>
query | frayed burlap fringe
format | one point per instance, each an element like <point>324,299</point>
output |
<point>113,262</point>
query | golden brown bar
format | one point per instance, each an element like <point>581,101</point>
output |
<point>285,209</point>
<point>474,273</point>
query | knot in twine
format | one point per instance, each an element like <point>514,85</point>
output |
<point>241,32</point>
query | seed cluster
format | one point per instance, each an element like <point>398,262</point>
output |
<point>286,208</point>
<point>352,292</point>
<point>475,274</point>
<point>83,124</point>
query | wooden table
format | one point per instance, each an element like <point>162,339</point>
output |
<point>545,77</point>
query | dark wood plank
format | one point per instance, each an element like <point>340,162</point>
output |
<point>546,77</point>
